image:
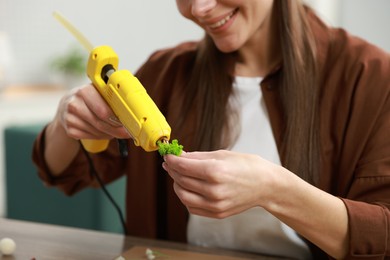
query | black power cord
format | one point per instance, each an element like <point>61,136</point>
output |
<point>94,173</point>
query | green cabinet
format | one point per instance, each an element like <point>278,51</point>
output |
<point>27,198</point>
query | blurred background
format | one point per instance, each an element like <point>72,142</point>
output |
<point>40,60</point>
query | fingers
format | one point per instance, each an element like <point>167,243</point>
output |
<point>187,166</point>
<point>95,103</point>
<point>85,115</point>
<point>210,188</point>
<point>219,184</point>
<point>80,116</point>
<point>200,205</point>
<point>190,183</point>
<point>217,155</point>
<point>81,129</point>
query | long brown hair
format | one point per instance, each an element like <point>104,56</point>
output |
<point>210,86</point>
<point>299,91</point>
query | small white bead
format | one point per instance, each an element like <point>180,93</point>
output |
<point>150,257</point>
<point>7,246</point>
<point>149,254</point>
<point>148,251</point>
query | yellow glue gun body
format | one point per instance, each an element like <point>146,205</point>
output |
<point>129,101</point>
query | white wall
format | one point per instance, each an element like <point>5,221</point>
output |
<point>369,19</point>
<point>365,18</point>
<point>133,28</point>
<point>328,10</point>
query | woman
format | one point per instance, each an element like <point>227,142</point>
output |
<point>304,110</point>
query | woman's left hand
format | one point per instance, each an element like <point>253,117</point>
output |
<point>221,183</point>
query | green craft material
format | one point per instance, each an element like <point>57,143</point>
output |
<point>170,148</point>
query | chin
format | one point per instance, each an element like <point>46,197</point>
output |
<point>227,44</point>
<point>226,48</point>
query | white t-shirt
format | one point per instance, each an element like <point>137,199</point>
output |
<point>254,230</point>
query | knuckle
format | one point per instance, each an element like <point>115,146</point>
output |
<point>103,112</point>
<point>184,198</point>
<point>216,193</point>
<point>224,210</point>
<point>72,108</point>
<point>183,181</point>
<point>72,133</point>
<point>218,207</point>
<point>220,215</point>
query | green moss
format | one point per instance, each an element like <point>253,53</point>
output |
<point>170,148</point>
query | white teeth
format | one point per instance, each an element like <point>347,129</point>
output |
<point>221,22</point>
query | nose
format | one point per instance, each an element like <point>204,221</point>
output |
<point>201,8</point>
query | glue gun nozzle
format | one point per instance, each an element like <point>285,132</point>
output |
<point>163,140</point>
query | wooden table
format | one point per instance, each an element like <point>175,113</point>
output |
<point>45,242</point>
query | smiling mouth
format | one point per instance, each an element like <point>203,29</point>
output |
<point>224,20</point>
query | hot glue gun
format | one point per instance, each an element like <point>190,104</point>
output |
<point>125,95</point>
<point>129,101</point>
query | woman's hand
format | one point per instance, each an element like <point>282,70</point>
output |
<point>84,114</point>
<point>221,183</point>
<point>81,114</point>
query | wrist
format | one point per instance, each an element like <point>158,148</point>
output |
<point>60,149</point>
<point>280,186</point>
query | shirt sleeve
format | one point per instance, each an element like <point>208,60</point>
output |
<point>368,196</point>
<point>77,176</point>
<point>369,230</point>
